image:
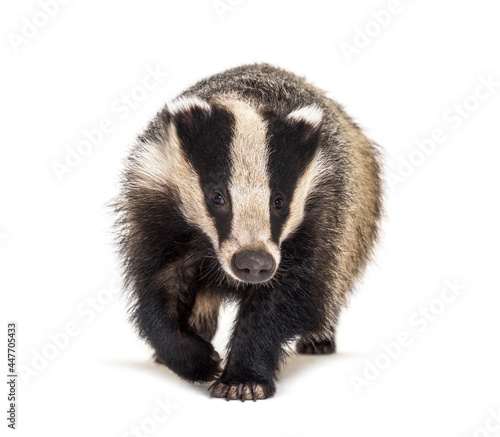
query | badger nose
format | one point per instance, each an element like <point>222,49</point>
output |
<point>253,265</point>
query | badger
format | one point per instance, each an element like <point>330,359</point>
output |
<point>253,187</point>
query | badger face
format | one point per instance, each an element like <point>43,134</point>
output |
<point>242,176</point>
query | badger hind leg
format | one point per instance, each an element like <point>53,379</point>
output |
<point>317,344</point>
<point>205,314</point>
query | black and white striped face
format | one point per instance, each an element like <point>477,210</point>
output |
<point>242,176</point>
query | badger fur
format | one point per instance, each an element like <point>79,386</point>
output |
<point>251,186</point>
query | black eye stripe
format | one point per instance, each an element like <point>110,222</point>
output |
<point>206,142</point>
<point>290,154</point>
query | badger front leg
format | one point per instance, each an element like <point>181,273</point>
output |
<point>268,319</point>
<point>166,320</point>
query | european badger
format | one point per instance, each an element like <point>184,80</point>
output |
<point>250,186</point>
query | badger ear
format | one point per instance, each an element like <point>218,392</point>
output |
<point>306,120</point>
<point>188,111</point>
<point>311,114</point>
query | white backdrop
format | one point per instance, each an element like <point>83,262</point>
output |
<point>418,349</point>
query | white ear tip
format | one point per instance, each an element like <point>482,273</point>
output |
<point>184,104</point>
<point>311,114</point>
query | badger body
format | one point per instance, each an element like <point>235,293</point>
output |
<point>251,186</point>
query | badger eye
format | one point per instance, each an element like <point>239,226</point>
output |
<point>218,199</point>
<point>278,202</point>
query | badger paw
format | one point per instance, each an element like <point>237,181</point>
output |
<point>241,391</point>
<point>311,347</point>
<point>195,365</point>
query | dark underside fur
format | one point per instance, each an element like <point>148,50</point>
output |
<point>175,280</point>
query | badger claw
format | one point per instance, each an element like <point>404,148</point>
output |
<point>242,391</point>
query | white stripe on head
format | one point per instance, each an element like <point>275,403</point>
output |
<point>161,165</point>
<point>248,185</point>
<point>305,185</point>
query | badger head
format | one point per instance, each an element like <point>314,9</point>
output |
<point>242,176</point>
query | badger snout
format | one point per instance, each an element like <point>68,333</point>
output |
<point>253,265</point>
